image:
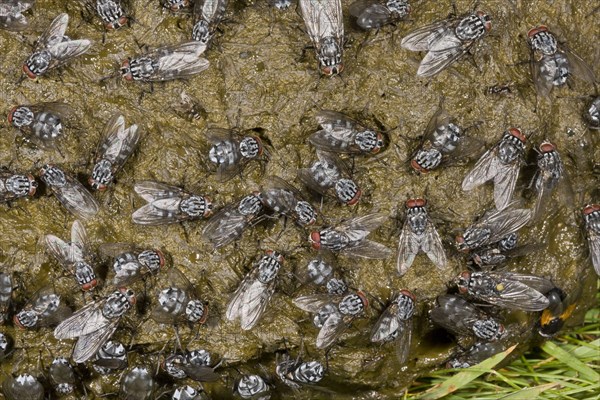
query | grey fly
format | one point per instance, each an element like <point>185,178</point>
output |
<point>14,185</point>
<point>208,14</point>
<point>44,308</point>
<point>41,123</point>
<point>283,199</point>
<point>374,14</point>
<point>231,151</point>
<point>11,14</point>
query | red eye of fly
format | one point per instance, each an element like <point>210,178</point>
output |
<point>315,240</point>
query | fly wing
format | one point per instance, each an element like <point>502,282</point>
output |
<point>386,327</point>
<point>225,226</point>
<point>507,221</point>
<point>543,86</point>
<point>323,18</point>
<point>78,242</point>
<point>581,69</point>
<point>337,140</point>
<point>538,283</point>
<point>163,211</point>
<point>256,299</point>
<point>151,190</point>
<point>87,320</point>
<point>54,34</point>
<point>64,51</point>
<point>123,146</point>
<point>201,373</point>
<point>594,244</point>
<point>88,345</point>
<point>180,61</point>
<point>505,181</point>
<point>440,118</point>
<point>408,248</point>
<point>331,330</point>
<point>421,39</point>
<point>63,110</point>
<point>443,52</point>
<point>330,120</point>
<point>306,176</point>
<point>114,128</point>
<point>371,13</point>
<point>177,279</point>
<point>76,199</point>
<point>234,308</point>
<point>516,295</point>
<point>404,340</point>
<point>313,303</point>
<point>217,135</point>
<point>367,223</point>
<point>368,249</point>
<point>454,314</point>
<point>59,249</point>
<point>433,247</point>
<point>484,170</point>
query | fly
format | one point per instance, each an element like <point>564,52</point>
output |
<point>492,227</point>
<point>349,238</point>
<point>179,303</point>
<point>592,114</point>
<point>229,223</point>
<point>166,63</point>
<point>22,387</point>
<point>374,14</point>
<point>283,199</point>
<point>169,204</point>
<point>553,318</point>
<point>477,353</point>
<point>446,41</point>
<point>44,308</point>
<point>231,151</point>
<point>111,12</point>
<point>41,123</point>
<point>296,372</point>
<point>208,14</point>
<point>591,216</point>
<point>251,387</point>
<point>95,323</point>
<point>6,345</point>
<point>62,376</point>
<point>6,292</point>
<point>551,63</point>
<point>506,289</point>
<point>194,365</point>
<point>395,324</point>
<point>419,234</point>
<point>11,14</point>
<point>110,357</point>
<point>69,192</point>
<point>74,256</point>
<point>502,251</point>
<point>14,185</point>
<point>325,27</point>
<point>463,319</point>
<point>252,297</point>
<point>176,5</point>
<point>132,264</point>
<point>331,176</point>
<point>549,176</point>
<point>117,144</point>
<point>501,164</point>
<point>341,134</point>
<point>53,49</point>
<point>137,384</point>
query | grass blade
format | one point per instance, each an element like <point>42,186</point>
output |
<point>571,361</point>
<point>529,393</point>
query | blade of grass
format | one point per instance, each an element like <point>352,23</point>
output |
<point>571,361</point>
<point>464,377</point>
<point>529,393</point>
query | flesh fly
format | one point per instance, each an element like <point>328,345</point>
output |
<point>41,123</point>
<point>501,164</point>
<point>208,14</point>
<point>169,204</point>
<point>231,151</point>
<point>131,263</point>
<point>95,323</point>
<point>296,372</point>
<point>14,185</point>
<point>178,303</point>
<point>11,14</point>
<point>374,14</point>
<point>44,308</point>
<point>446,41</point>
<point>53,49</point>
<point>283,199</point>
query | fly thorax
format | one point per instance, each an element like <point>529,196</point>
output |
<point>593,113</point>
<point>367,141</point>
<point>194,311</point>
<point>116,305</point>
<point>39,62</point>
<point>399,7</point>
<point>142,68</point>
<point>3,343</point>
<point>175,5</point>
<point>19,185</point>
<point>84,273</point>
<point>125,262</point>
<point>544,42</point>
<point>251,385</point>
<point>330,53</point>
<point>151,259</point>
<point>250,147</point>
<point>351,305</point>
<point>347,191</point>
<point>172,300</point>
<point>336,286</point>
<point>185,393</point>
<point>102,174</point>
<point>592,221</point>
<point>64,388</point>
<point>510,148</point>
<point>488,329</point>
<point>47,126</point>
<point>111,349</point>
<point>406,307</point>
<point>199,358</point>
<point>282,4</point>
<point>416,218</point>
<point>428,159</point>
<point>61,372</point>
<point>476,237</point>
<point>22,116</point>
<point>446,137</point>
<point>110,12</point>
<point>53,176</point>
<point>324,173</point>
<point>27,318</point>
<point>471,27</point>
<point>309,372</point>
<point>173,366</point>
<point>195,206</point>
<point>333,240</point>
<point>481,284</point>
<point>201,32</point>
<point>509,242</point>
<point>223,153</point>
<point>305,213</point>
<point>250,205</point>
<point>267,269</point>
<point>47,304</point>
<point>323,314</point>
<point>551,162</point>
<point>555,69</point>
<point>318,271</point>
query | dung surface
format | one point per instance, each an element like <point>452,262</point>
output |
<point>261,76</point>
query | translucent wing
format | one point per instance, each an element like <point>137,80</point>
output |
<point>368,249</point>
<point>88,345</point>
<point>543,86</point>
<point>484,170</point>
<point>76,199</point>
<point>225,226</point>
<point>323,18</point>
<point>63,110</point>
<point>331,330</point>
<point>337,140</point>
<point>78,242</point>
<point>54,34</point>
<point>163,211</point>
<point>85,321</point>
<point>151,190</point>
<point>201,373</point>
<point>538,283</point>
<point>180,61</point>
<point>371,14</point>
<point>421,39</point>
<point>408,248</point>
<point>505,222</point>
<point>256,299</point>
<point>387,325</point>
<point>64,51</point>
<point>313,303</point>
<point>433,247</point>
<point>581,69</point>
<point>330,120</point>
<point>59,249</point>
<point>404,340</point>
<point>505,181</point>
<point>443,52</point>
<point>366,223</point>
<point>517,295</point>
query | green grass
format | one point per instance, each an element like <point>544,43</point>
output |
<point>565,368</point>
